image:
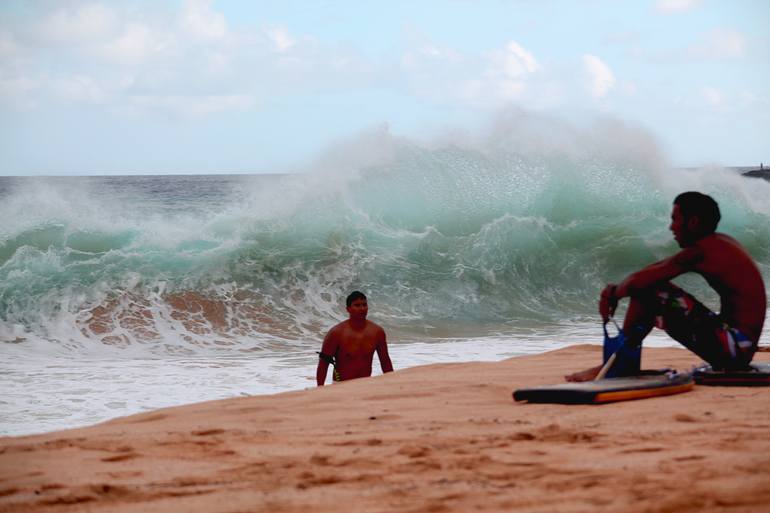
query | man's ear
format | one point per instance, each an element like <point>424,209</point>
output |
<point>693,223</point>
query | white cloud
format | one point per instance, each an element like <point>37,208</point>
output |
<point>19,91</point>
<point>751,100</point>
<point>510,90</point>
<point>713,97</point>
<point>514,61</point>
<point>720,44</point>
<point>622,38</point>
<point>280,38</point>
<point>675,6</point>
<point>430,50</point>
<point>599,77</point>
<point>218,62</point>
<point>95,30</point>
<point>136,43</point>
<point>91,22</point>
<point>179,59</point>
<point>486,80</point>
<point>201,22</point>
<point>506,76</point>
<point>80,88</point>
<point>8,46</point>
<point>429,55</point>
<point>629,88</point>
<point>193,106</point>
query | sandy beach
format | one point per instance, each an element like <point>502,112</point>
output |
<point>437,438</point>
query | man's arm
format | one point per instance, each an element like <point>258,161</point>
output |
<point>382,353</point>
<point>664,270</point>
<point>329,347</point>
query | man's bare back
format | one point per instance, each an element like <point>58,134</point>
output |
<point>732,273</point>
<point>352,344</point>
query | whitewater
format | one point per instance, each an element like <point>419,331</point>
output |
<point>128,293</point>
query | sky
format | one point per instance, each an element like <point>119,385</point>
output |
<point>236,86</point>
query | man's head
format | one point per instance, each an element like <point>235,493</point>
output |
<point>356,305</point>
<point>693,217</point>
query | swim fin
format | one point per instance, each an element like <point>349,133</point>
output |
<point>627,359</point>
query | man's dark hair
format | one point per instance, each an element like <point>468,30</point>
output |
<point>693,203</point>
<point>353,296</point>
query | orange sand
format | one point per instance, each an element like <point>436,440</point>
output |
<point>437,438</point>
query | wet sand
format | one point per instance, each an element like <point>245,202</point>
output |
<point>437,438</point>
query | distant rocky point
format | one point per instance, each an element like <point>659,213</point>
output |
<point>762,172</point>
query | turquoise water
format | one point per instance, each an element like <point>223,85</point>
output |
<point>481,250</point>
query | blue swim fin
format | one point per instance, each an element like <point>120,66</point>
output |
<point>628,360</point>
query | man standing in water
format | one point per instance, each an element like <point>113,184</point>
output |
<point>350,345</point>
<point>726,340</point>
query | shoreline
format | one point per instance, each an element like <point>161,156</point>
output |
<point>440,437</point>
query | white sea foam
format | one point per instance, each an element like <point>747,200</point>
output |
<point>49,392</point>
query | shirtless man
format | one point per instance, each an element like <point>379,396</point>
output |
<point>726,340</point>
<point>352,344</point>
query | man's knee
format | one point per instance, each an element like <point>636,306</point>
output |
<point>636,333</point>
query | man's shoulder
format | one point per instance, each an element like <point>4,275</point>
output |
<point>337,328</point>
<point>689,256</point>
<point>373,325</point>
<point>720,238</point>
<point>719,249</point>
<point>719,242</point>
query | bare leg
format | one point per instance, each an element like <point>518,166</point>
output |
<point>638,315</point>
<point>638,322</point>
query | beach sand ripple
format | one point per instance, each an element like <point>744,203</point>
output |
<point>437,438</point>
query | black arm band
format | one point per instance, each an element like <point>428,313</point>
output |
<point>327,358</point>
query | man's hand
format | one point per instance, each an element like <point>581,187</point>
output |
<point>608,301</point>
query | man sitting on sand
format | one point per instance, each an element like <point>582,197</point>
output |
<point>350,345</point>
<point>726,340</point>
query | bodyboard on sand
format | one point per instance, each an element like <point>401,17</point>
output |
<point>758,375</point>
<point>609,390</point>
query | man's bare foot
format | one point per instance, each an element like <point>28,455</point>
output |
<point>584,375</point>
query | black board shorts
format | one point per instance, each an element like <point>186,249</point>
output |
<point>699,329</point>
